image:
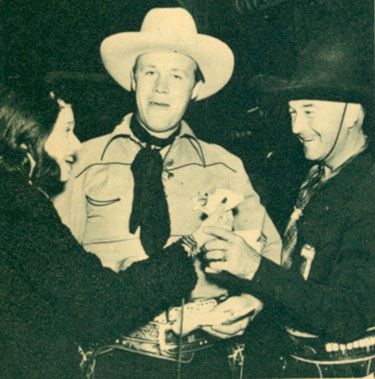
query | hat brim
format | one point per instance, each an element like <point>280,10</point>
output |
<point>296,92</point>
<point>279,89</point>
<point>215,59</point>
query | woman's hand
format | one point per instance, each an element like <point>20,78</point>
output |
<point>229,252</point>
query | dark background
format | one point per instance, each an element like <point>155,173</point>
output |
<point>58,42</point>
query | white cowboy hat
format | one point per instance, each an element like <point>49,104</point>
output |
<point>171,29</point>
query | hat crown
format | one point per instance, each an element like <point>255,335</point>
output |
<point>334,66</point>
<point>337,63</point>
<point>169,22</point>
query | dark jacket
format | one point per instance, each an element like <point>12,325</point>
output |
<point>337,300</point>
<point>55,296</point>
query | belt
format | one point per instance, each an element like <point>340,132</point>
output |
<point>311,349</point>
<point>156,339</point>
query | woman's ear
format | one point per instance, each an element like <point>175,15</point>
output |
<point>29,157</point>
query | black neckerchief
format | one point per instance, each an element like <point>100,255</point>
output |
<point>144,136</point>
<point>150,208</point>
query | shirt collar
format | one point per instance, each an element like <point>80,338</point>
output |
<point>123,131</point>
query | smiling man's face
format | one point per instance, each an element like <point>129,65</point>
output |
<point>163,84</point>
<point>316,124</point>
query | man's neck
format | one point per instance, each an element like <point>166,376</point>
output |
<point>161,135</point>
<point>352,148</point>
<point>143,134</point>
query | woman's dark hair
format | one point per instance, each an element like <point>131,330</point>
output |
<point>27,118</point>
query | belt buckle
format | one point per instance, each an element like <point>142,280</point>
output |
<point>162,339</point>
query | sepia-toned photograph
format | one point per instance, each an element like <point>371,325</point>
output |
<point>187,189</point>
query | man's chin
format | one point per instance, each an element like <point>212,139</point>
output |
<point>310,153</point>
<point>311,156</point>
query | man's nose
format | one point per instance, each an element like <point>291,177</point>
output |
<point>161,84</point>
<point>298,124</point>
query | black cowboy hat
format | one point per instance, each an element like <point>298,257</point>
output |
<point>334,66</point>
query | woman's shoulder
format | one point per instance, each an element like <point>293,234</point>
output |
<point>17,195</point>
<point>26,212</point>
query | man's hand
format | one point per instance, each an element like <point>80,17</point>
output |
<point>240,310</point>
<point>229,252</point>
<point>220,217</point>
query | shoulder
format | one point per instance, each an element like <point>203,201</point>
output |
<point>93,148</point>
<point>366,187</point>
<point>22,200</point>
<point>13,187</point>
<point>372,172</point>
<point>91,152</point>
<point>363,178</point>
<point>217,154</point>
<point>362,197</point>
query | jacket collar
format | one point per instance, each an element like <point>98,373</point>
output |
<point>348,179</point>
<point>334,199</point>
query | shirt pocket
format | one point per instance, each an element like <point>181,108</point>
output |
<point>101,203</point>
<point>107,218</point>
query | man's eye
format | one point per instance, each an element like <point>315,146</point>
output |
<point>68,129</point>
<point>150,73</point>
<point>176,76</point>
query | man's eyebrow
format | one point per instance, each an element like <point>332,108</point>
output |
<point>304,106</point>
<point>148,66</point>
<point>179,71</point>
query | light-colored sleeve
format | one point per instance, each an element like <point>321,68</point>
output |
<point>71,206</point>
<point>252,221</point>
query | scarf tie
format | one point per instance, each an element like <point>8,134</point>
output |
<point>150,208</point>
